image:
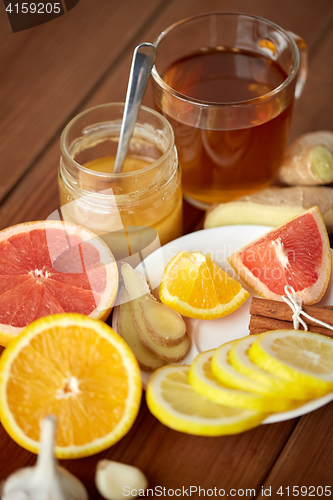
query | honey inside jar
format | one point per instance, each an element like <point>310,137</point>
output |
<point>136,210</point>
<point>106,164</point>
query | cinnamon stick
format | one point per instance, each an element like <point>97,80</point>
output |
<point>281,311</point>
<point>260,324</point>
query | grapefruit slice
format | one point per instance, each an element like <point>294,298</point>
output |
<point>49,267</point>
<point>297,253</point>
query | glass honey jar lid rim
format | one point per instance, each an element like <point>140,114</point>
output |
<point>169,147</point>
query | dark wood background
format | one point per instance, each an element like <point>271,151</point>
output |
<point>50,73</point>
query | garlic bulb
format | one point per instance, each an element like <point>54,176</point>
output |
<point>46,480</point>
<point>116,481</point>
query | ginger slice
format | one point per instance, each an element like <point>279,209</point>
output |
<point>138,291</point>
<point>165,326</point>
<point>273,206</point>
<point>171,354</point>
<point>135,284</point>
<point>127,330</point>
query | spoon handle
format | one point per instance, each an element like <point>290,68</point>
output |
<point>142,62</point>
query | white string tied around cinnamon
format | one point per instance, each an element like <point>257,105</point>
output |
<point>296,306</point>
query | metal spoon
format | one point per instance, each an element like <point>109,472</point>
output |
<point>142,62</point>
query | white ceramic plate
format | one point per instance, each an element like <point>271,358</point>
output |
<point>220,242</point>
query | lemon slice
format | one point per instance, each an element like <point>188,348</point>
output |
<point>228,375</point>
<point>297,356</point>
<point>271,383</point>
<point>173,401</point>
<point>77,369</point>
<point>204,381</point>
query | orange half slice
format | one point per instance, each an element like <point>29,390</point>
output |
<point>195,286</point>
<point>77,369</point>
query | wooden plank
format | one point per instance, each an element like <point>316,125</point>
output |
<point>293,16</point>
<point>168,458</point>
<point>48,71</point>
<point>37,196</point>
<point>62,60</point>
<point>306,460</point>
<point>314,110</point>
<point>192,216</point>
<point>239,461</point>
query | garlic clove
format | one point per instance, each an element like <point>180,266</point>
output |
<point>116,481</point>
<point>46,480</point>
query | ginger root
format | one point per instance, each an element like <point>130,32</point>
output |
<point>147,327</point>
<point>273,206</point>
<point>127,330</point>
<point>308,160</point>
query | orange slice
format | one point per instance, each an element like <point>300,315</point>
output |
<point>297,253</point>
<point>50,267</point>
<point>77,369</point>
<point>195,286</point>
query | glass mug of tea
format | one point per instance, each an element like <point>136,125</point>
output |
<point>226,82</point>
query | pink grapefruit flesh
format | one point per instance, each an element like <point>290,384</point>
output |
<point>51,267</point>
<point>297,253</point>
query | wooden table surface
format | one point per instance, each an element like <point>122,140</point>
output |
<point>48,75</point>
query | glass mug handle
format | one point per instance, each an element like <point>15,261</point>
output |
<point>303,64</point>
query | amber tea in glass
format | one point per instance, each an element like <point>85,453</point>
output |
<point>226,83</point>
